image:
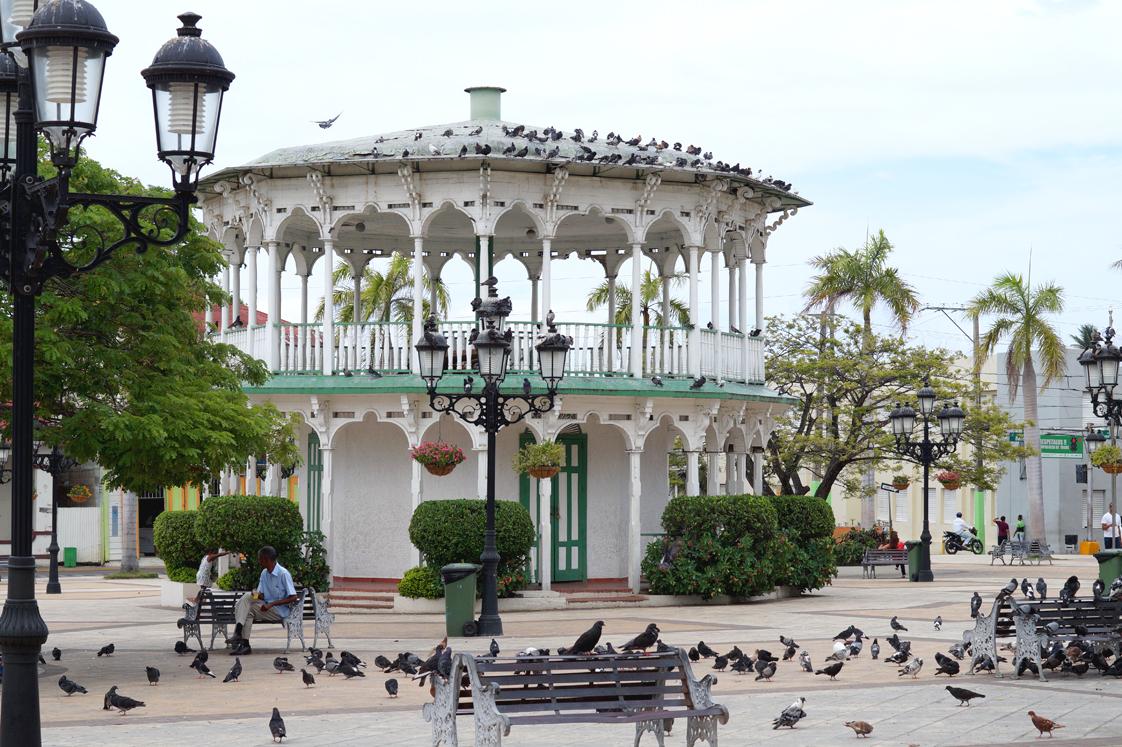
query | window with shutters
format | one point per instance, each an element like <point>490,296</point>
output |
<point>932,505</point>
<point>902,506</point>
<point>1098,508</point>
<point>883,498</point>
<point>950,506</point>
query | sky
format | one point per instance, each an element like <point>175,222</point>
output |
<point>981,137</point>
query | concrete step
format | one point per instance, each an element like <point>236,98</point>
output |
<point>345,600</point>
<point>625,598</point>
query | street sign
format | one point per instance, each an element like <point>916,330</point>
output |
<point>888,487</point>
<point>1055,445</point>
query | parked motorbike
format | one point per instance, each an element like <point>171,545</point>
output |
<point>952,543</point>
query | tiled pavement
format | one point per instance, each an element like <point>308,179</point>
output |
<point>183,710</point>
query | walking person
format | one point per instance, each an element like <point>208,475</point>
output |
<point>1002,531</point>
<point>1112,529</point>
<point>1019,532</point>
<point>271,600</point>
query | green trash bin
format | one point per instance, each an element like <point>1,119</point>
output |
<point>69,557</point>
<point>459,598</point>
<point>1110,565</point>
<point>914,550</point>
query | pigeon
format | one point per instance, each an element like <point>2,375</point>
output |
<point>1026,665</point>
<point>846,634</point>
<point>1097,589</point>
<point>662,648</point>
<point>896,626</point>
<point>476,131</point>
<point>281,665</point>
<point>494,648</point>
<point>788,641</point>
<point>804,661</point>
<point>41,659</point>
<point>380,661</point>
<point>348,670</point>
<point>276,726</point>
<point>975,605</point>
<point>331,664</point>
<point>1071,588</point>
<point>391,687</point>
<point>875,649</point>
<point>1008,589</point>
<point>235,671</point>
<point>742,665</point>
<point>855,647</point>
<point>860,728</point>
<point>765,655</point>
<point>698,383</point>
<point>153,675</point>
<point>202,656</point>
<point>108,697</point>
<point>958,651</point>
<point>831,670</point>
<point>1079,668</point>
<point>765,670</point>
<point>326,123</point>
<point>1043,724</point>
<point>201,667</point>
<point>56,653</point>
<point>947,665</point>
<point>939,622</point>
<point>424,669</point>
<point>106,650</point>
<point>1026,588</point>
<point>912,668</point>
<point>70,686</point>
<point>1115,669</point>
<point>123,703</point>
<point>791,715</point>
<point>656,380</point>
<point>309,680</point>
<point>720,663</point>
<point>962,695</point>
<point>694,655</point>
<point>1042,589</point>
<point>704,650</point>
<point>789,653</point>
<point>180,648</point>
<point>351,659</point>
<point>588,639</point>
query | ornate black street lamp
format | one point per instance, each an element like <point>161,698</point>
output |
<point>5,452</point>
<point>54,463</point>
<point>1100,369</point>
<point>491,409</point>
<point>50,82</point>
<point>926,452</point>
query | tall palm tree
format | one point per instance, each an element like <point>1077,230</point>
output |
<point>862,278</point>
<point>386,295</point>
<point>1082,339</point>
<point>650,301</point>
<point>1021,313</point>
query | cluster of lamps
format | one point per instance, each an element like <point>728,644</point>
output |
<point>1100,370</point>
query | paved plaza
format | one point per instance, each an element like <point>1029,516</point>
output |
<point>183,710</point>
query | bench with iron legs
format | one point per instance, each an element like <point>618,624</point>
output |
<point>1101,618</point>
<point>216,608</point>
<point>1021,550</point>
<point>647,691</point>
<point>874,557</point>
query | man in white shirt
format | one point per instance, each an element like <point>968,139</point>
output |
<point>962,529</point>
<point>1112,529</point>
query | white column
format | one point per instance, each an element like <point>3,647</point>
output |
<point>758,474</point>
<point>273,331</point>
<point>742,277</point>
<point>692,485</point>
<point>547,255</point>
<point>734,318</point>
<point>418,496</point>
<point>634,528</point>
<point>481,485</point>
<point>434,289</point>
<point>418,296</point>
<point>273,481</point>
<point>224,316</point>
<point>610,337</point>
<point>328,308</point>
<point>715,304</point>
<point>303,337</point>
<point>534,299</point>
<point>545,530</point>
<point>356,316</point>
<point>712,476</point>
<point>236,291</point>
<point>668,365</point>
<point>327,523</point>
<point>251,295</point>
<point>694,349</point>
<point>759,292</point>
<point>730,474</point>
<point>636,316</point>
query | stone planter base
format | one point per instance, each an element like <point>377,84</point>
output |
<point>174,594</point>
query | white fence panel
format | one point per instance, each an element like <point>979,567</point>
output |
<point>81,528</point>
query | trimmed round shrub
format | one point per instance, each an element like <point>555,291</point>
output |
<point>453,532</point>
<point>182,574</point>
<point>230,581</point>
<point>177,545</point>
<point>803,517</point>
<point>246,523</point>
<point>421,582</point>
<point>739,515</point>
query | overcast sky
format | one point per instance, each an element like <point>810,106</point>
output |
<point>972,133</point>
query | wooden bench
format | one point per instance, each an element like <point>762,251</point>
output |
<point>647,691</point>
<point>1100,618</point>
<point>874,557</point>
<point>217,609</point>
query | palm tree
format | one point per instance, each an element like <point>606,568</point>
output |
<point>1021,316</point>
<point>650,303</point>
<point>1082,339</point>
<point>862,278</point>
<point>385,296</point>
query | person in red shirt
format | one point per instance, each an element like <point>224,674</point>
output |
<point>894,543</point>
<point>1002,531</point>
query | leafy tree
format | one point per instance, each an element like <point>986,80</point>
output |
<point>1022,313</point>
<point>846,385</point>
<point>124,375</point>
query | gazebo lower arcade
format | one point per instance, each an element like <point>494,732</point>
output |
<point>476,190</point>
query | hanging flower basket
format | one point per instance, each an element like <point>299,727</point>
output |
<point>949,480</point>
<point>542,461</point>
<point>1113,468</point>
<point>1109,458</point>
<point>544,473</point>
<point>438,458</point>
<point>901,482</point>
<point>79,494</point>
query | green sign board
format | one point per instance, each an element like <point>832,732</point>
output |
<point>1055,446</point>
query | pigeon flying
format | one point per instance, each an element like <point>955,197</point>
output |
<point>70,686</point>
<point>276,726</point>
<point>962,695</point>
<point>153,675</point>
<point>235,671</point>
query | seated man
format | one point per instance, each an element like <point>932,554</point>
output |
<point>278,592</point>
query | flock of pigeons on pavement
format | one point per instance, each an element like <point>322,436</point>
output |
<point>1075,656</point>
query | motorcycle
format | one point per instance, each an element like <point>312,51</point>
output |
<point>952,543</point>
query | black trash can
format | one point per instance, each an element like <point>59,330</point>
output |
<point>914,550</point>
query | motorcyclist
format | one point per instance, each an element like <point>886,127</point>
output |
<point>962,529</point>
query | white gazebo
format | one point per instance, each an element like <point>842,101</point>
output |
<point>483,190</point>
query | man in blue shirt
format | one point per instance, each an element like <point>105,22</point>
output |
<point>271,600</point>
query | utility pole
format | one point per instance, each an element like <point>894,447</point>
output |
<point>979,494</point>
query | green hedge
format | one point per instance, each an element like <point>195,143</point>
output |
<point>182,574</point>
<point>850,548</point>
<point>246,523</point>
<point>177,545</point>
<point>453,532</point>
<point>742,545</point>
<point>421,582</point>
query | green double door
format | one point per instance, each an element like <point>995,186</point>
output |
<point>568,517</point>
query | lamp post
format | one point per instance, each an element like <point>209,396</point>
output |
<point>54,463</point>
<point>51,73</point>
<point>1093,441</point>
<point>491,409</point>
<point>926,452</point>
<point>1100,370</point>
<point>5,452</point>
